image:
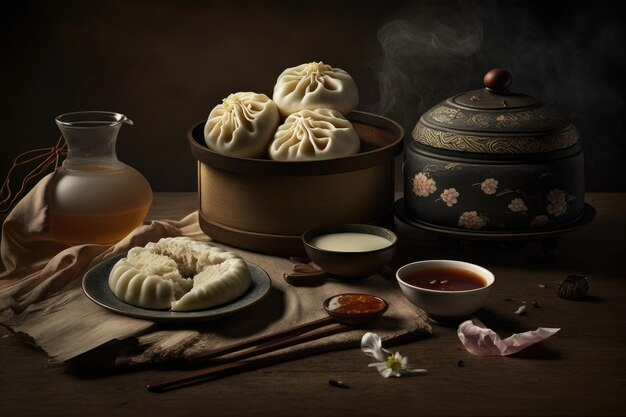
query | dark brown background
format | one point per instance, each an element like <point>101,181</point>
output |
<point>166,64</point>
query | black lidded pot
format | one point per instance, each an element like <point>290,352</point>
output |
<point>494,160</point>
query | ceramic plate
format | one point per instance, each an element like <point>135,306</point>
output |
<point>402,213</point>
<point>96,287</point>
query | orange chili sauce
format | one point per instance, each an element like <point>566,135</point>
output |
<point>355,304</point>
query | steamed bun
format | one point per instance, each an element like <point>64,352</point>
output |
<point>180,274</point>
<point>315,85</point>
<point>314,134</point>
<point>242,125</point>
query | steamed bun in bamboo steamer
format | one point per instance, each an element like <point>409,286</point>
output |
<point>313,86</point>
<point>314,134</point>
<point>243,125</point>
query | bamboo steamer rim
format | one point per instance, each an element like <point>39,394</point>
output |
<point>361,160</point>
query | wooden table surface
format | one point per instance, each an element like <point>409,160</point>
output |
<point>579,371</point>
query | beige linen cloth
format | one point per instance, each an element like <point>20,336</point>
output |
<point>41,296</point>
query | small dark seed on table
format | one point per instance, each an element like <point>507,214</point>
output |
<point>337,384</point>
<point>460,364</point>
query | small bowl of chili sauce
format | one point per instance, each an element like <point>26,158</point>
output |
<point>446,290</point>
<point>355,308</point>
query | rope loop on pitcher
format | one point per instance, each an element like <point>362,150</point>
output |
<point>41,159</point>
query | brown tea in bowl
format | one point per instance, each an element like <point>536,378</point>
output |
<point>445,289</point>
<point>445,279</point>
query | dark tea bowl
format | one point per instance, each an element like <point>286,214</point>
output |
<point>445,305</point>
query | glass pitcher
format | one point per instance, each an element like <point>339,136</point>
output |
<point>93,197</point>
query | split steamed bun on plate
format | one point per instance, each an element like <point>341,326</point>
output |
<point>180,274</point>
<point>314,134</point>
<point>313,86</point>
<point>242,125</point>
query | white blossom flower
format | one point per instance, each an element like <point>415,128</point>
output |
<point>539,221</point>
<point>557,196</point>
<point>517,205</point>
<point>471,220</point>
<point>450,196</point>
<point>389,364</point>
<point>557,202</point>
<point>557,209</point>
<point>489,186</point>
<point>423,186</point>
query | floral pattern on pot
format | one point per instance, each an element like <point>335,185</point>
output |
<point>525,210</point>
<point>423,186</point>
<point>472,220</point>
<point>489,186</point>
<point>450,196</point>
<point>517,205</point>
<point>539,221</point>
<point>557,202</point>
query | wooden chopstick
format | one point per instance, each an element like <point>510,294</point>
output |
<point>212,373</point>
<point>302,328</point>
<point>286,342</point>
<point>218,371</point>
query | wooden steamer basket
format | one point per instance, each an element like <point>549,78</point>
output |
<point>265,206</point>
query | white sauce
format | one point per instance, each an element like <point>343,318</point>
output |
<point>350,242</point>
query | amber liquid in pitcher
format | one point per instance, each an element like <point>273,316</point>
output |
<point>93,197</point>
<point>102,229</point>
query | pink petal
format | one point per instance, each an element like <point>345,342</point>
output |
<point>482,341</point>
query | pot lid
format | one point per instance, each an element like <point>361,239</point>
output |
<point>495,120</point>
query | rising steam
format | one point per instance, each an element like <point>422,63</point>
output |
<point>571,57</point>
<point>427,53</point>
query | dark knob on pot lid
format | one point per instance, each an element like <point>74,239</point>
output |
<point>498,79</point>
